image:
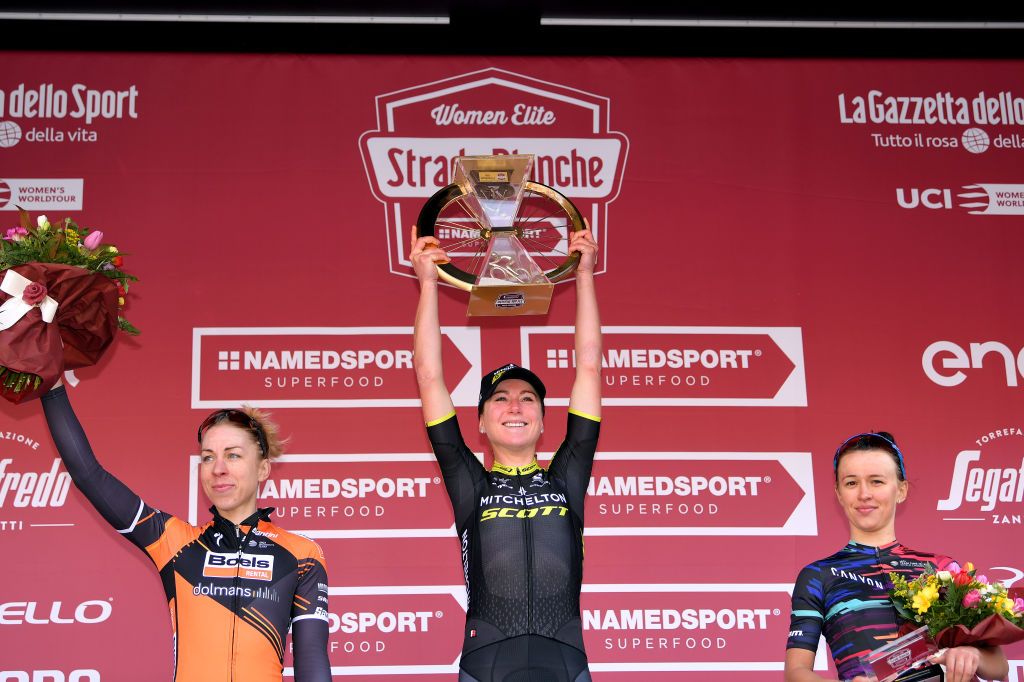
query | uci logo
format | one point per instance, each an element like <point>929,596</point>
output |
<point>927,198</point>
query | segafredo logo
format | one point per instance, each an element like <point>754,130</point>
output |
<point>422,129</point>
<point>33,486</point>
<point>987,480</point>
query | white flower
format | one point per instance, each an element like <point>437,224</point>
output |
<point>42,222</point>
<point>944,576</point>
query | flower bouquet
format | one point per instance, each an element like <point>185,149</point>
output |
<point>62,293</point>
<point>945,609</point>
<point>959,608</point>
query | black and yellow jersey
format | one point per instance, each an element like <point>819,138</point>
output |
<point>521,533</point>
<point>233,590</point>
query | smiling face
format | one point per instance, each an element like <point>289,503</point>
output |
<point>868,489</point>
<point>512,417</point>
<point>231,469</point>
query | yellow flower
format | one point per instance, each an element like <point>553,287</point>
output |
<point>924,598</point>
<point>71,236</point>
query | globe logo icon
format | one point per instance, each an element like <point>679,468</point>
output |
<point>975,140</point>
<point>5,194</point>
<point>10,133</point>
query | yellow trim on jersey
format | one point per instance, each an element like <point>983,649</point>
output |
<point>435,422</point>
<point>512,471</point>
<point>585,415</point>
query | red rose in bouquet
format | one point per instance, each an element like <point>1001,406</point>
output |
<point>81,331</point>
<point>59,301</point>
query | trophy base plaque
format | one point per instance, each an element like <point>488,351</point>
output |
<point>905,658</point>
<point>510,299</point>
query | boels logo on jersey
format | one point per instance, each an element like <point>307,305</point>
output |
<point>249,566</point>
<point>422,129</point>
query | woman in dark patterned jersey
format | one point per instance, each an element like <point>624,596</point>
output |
<point>844,597</point>
<point>520,526</point>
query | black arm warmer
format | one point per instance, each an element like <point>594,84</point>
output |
<point>309,650</point>
<point>111,498</point>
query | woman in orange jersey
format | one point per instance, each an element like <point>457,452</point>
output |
<point>235,584</point>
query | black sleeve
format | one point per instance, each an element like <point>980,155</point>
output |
<point>309,650</point>
<point>116,503</point>
<point>807,617</point>
<point>574,459</point>
<point>463,474</point>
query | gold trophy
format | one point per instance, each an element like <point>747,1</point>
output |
<point>495,224</point>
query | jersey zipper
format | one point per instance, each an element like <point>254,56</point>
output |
<point>878,565</point>
<point>234,599</point>
<point>529,562</point>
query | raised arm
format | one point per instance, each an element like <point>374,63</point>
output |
<point>586,389</point>
<point>121,507</point>
<point>434,396</point>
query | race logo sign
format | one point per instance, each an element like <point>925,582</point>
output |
<point>678,366</point>
<point>421,130</point>
<point>323,366</point>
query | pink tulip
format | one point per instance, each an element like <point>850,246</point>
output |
<point>93,239</point>
<point>953,567</point>
<point>16,234</point>
<point>971,599</point>
<point>982,579</point>
<point>1018,606</point>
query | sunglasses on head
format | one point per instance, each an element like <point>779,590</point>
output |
<point>237,418</point>
<point>886,444</point>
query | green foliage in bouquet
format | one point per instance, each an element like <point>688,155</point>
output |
<point>954,597</point>
<point>68,244</point>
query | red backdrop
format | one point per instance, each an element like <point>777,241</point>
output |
<point>792,251</point>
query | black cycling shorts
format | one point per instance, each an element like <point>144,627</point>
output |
<point>528,658</point>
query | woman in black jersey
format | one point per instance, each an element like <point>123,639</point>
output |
<point>236,584</point>
<point>844,597</point>
<point>520,526</point>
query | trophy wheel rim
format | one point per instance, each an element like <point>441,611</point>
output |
<point>463,279</point>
